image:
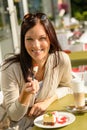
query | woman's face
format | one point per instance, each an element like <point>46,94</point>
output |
<point>37,43</point>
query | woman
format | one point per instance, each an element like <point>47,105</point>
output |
<point>26,98</point>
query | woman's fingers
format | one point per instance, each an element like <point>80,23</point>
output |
<point>36,110</point>
<point>32,86</point>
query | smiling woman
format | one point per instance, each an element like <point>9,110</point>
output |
<point>28,94</point>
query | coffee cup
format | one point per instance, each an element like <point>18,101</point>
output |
<point>78,92</point>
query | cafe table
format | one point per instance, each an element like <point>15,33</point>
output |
<point>80,122</point>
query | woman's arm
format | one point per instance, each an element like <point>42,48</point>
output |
<point>40,107</point>
<point>63,91</point>
<point>12,82</point>
<point>10,87</point>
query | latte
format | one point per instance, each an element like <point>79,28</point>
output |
<point>78,92</point>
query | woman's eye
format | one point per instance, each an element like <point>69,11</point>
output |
<point>29,39</point>
<point>43,38</point>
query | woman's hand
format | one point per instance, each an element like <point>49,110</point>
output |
<point>37,109</point>
<point>40,107</point>
<point>29,88</point>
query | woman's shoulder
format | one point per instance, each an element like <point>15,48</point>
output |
<point>59,54</point>
<point>63,57</point>
<point>11,61</point>
<point>14,65</point>
<point>12,70</point>
<point>10,66</point>
<point>63,54</point>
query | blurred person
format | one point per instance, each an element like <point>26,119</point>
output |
<point>27,96</point>
<point>63,6</point>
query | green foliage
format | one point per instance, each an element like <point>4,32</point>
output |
<point>85,15</point>
<point>81,16</point>
<point>79,9</point>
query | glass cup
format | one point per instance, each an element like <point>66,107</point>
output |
<point>78,92</point>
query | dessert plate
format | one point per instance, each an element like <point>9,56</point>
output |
<point>70,119</point>
<point>75,110</point>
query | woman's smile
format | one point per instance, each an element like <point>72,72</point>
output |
<point>37,51</point>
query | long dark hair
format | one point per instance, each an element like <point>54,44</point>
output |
<point>29,21</point>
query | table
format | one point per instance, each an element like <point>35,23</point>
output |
<point>78,58</point>
<point>81,119</point>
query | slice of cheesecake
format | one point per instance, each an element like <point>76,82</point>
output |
<point>49,119</point>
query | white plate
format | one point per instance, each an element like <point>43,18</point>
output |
<point>71,118</point>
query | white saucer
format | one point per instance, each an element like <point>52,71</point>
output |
<point>86,100</point>
<point>75,110</point>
